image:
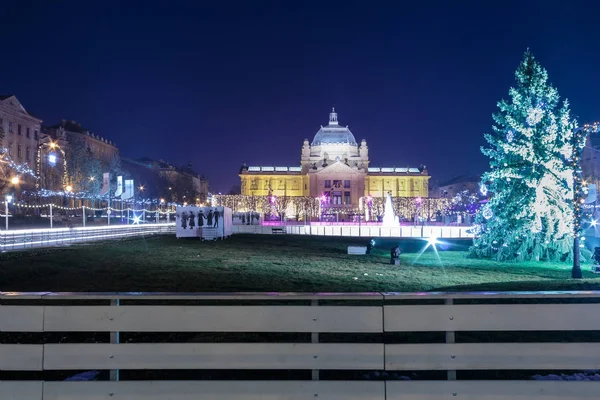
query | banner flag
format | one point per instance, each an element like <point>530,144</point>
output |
<point>105,184</point>
<point>128,193</point>
<point>119,186</point>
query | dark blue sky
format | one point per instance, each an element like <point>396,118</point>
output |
<point>221,83</point>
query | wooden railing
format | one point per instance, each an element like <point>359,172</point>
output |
<point>376,335</point>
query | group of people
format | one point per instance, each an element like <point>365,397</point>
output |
<point>187,219</point>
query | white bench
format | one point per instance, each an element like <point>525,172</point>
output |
<point>360,250</point>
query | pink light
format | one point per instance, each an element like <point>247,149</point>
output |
<point>323,199</point>
<point>419,200</point>
<point>273,199</point>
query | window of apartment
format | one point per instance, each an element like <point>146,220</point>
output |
<point>19,151</point>
<point>1,124</point>
<point>19,129</point>
<point>346,197</point>
<point>327,183</point>
<point>10,150</point>
<point>27,154</point>
<point>36,135</point>
<point>305,186</point>
<point>281,184</point>
<point>10,127</point>
<point>337,197</point>
<point>346,184</point>
<point>27,132</point>
<point>337,183</point>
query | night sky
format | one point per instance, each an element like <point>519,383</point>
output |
<point>222,83</point>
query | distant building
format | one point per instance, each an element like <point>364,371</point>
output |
<point>336,167</point>
<point>20,129</point>
<point>72,132</point>
<point>177,178</point>
<point>458,184</point>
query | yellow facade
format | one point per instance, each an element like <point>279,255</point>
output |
<point>397,186</point>
<point>295,185</point>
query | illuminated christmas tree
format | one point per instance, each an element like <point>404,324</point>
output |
<point>529,214</point>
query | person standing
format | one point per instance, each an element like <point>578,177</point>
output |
<point>209,218</point>
<point>216,216</point>
<point>192,223</point>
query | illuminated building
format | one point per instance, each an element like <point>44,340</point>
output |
<point>336,167</point>
<point>19,131</point>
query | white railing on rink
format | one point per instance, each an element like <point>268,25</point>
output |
<point>448,232</point>
<point>314,314</point>
<point>31,238</point>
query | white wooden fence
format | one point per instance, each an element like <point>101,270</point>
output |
<point>33,238</point>
<point>314,314</point>
<point>448,232</point>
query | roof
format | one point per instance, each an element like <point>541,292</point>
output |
<point>5,96</point>
<point>334,133</point>
<point>271,169</point>
<point>71,126</point>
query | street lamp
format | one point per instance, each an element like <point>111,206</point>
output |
<point>14,180</point>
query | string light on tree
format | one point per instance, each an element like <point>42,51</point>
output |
<point>510,136</point>
<point>20,169</point>
<point>530,212</point>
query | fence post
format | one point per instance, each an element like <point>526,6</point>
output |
<point>6,213</point>
<point>83,211</point>
<point>50,215</point>
<point>108,215</point>
<point>114,339</point>
<point>450,338</point>
<point>157,216</point>
<point>314,338</point>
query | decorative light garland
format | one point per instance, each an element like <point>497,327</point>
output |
<point>52,145</point>
<point>38,206</point>
<point>270,205</point>
<point>21,169</point>
<point>405,207</point>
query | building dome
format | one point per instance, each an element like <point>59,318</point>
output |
<point>334,133</point>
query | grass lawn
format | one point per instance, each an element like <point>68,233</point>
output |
<point>271,263</point>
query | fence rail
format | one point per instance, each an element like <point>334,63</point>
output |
<point>447,232</point>
<point>31,238</point>
<point>385,315</point>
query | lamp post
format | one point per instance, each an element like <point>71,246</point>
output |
<point>7,199</point>
<point>579,192</point>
